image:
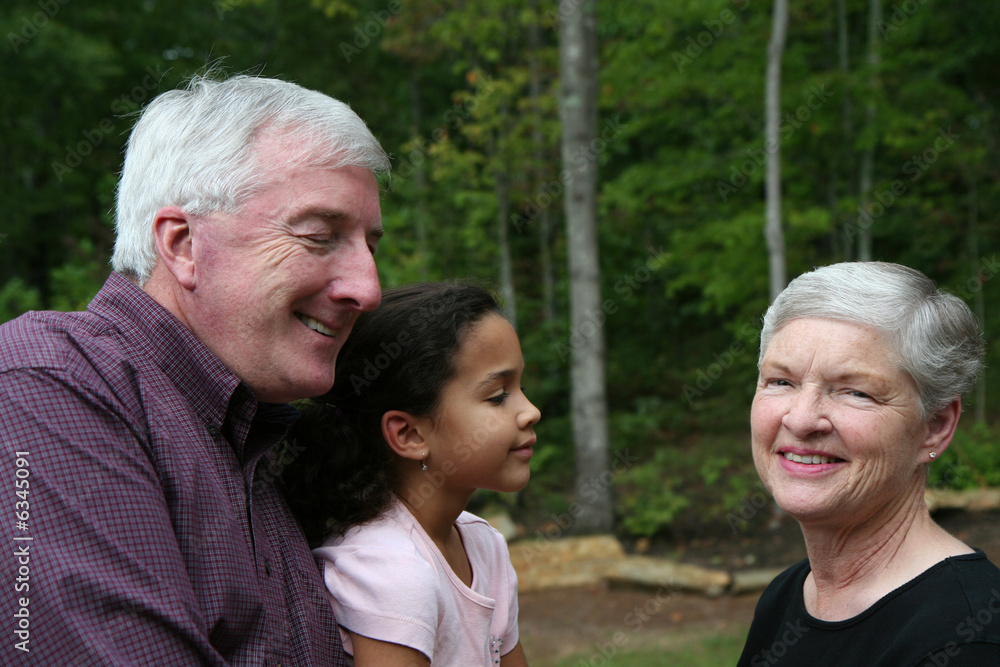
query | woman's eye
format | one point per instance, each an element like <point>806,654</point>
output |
<point>499,398</point>
<point>858,394</point>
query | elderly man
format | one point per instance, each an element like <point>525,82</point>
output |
<point>142,516</point>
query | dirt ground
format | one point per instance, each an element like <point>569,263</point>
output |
<point>564,622</point>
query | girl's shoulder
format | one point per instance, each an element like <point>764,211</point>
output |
<point>479,535</point>
<point>394,529</point>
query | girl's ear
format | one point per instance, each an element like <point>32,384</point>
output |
<point>402,432</point>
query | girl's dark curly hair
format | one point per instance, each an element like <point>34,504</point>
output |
<point>398,357</point>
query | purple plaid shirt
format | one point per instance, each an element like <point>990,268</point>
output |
<point>141,524</point>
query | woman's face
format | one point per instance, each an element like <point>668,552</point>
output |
<point>837,429</point>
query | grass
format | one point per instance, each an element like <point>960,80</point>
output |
<point>692,651</point>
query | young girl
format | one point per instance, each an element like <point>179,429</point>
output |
<point>426,408</point>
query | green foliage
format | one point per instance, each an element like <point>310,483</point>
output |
<point>74,284</point>
<point>649,497</point>
<point>16,297</point>
<point>463,95</point>
<point>971,461</point>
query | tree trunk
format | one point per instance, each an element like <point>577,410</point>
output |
<point>420,183</point>
<point>772,106</point>
<point>594,508</point>
<point>978,300</point>
<point>773,233</point>
<point>847,130</point>
<point>545,265</point>
<point>868,157</point>
<point>502,190</point>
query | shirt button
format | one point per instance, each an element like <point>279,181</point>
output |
<point>267,567</point>
<point>213,430</point>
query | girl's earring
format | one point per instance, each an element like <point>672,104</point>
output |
<point>423,463</point>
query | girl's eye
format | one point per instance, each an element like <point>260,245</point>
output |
<point>499,398</point>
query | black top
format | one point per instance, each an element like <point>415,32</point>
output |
<point>947,616</point>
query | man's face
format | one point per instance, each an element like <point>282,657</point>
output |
<point>279,284</point>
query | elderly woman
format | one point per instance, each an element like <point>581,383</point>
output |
<point>862,369</point>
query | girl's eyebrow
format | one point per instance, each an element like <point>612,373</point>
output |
<point>494,376</point>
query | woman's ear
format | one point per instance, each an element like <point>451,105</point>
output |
<point>403,433</point>
<point>941,429</point>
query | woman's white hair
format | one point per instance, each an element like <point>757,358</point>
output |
<point>195,148</point>
<point>933,335</point>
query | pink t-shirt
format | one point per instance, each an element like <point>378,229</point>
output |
<point>388,581</point>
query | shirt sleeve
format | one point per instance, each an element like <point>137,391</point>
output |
<point>100,577</point>
<point>383,593</point>
<point>511,636</point>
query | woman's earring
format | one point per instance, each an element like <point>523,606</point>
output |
<point>423,463</point>
<point>933,455</point>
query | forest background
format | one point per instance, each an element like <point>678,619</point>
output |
<point>888,129</point>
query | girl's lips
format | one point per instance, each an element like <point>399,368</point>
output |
<point>525,450</point>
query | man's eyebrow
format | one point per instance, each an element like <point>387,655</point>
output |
<point>331,215</point>
<point>327,214</point>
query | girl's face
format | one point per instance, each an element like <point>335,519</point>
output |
<point>482,435</point>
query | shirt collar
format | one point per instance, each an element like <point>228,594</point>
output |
<point>155,334</point>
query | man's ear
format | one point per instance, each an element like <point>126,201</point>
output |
<point>403,433</point>
<point>174,244</point>
<point>941,428</point>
